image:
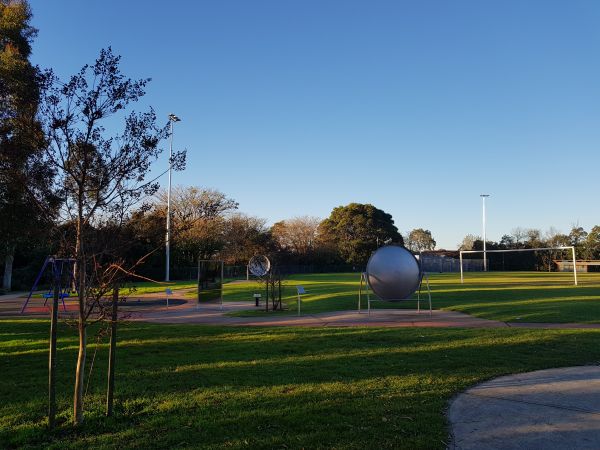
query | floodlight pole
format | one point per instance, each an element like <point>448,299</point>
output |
<point>172,118</point>
<point>483,197</point>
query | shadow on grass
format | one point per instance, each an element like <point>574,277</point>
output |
<point>212,387</point>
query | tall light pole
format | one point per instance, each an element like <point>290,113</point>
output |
<point>483,197</point>
<point>172,119</point>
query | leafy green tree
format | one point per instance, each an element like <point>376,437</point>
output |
<point>593,243</point>
<point>420,240</point>
<point>356,230</point>
<point>507,241</point>
<point>25,180</point>
<point>558,240</point>
<point>578,237</point>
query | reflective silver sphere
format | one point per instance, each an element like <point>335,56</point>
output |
<point>393,273</point>
<point>259,265</point>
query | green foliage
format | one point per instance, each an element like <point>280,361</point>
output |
<point>24,178</point>
<point>186,386</point>
<point>356,230</point>
<point>420,240</point>
<point>16,31</point>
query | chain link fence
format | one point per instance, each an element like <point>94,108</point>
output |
<point>441,264</point>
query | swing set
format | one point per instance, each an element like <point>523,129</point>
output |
<point>61,268</point>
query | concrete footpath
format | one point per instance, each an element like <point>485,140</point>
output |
<point>212,314</point>
<point>545,409</point>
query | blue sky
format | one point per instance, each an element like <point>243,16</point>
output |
<point>296,107</point>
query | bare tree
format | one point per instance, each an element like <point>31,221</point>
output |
<point>199,220</point>
<point>297,235</point>
<point>192,203</point>
<point>245,236</point>
<point>468,242</point>
<point>520,234</point>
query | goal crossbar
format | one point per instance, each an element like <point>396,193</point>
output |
<point>462,279</point>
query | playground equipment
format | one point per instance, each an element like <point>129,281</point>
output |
<point>59,273</point>
<point>394,275</point>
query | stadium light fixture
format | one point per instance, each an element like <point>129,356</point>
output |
<point>172,119</point>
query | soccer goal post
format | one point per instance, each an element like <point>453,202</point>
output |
<point>462,278</point>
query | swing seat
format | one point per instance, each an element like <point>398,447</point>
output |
<point>51,295</point>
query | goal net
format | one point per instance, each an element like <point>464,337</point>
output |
<point>548,258</point>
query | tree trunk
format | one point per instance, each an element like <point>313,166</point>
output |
<point>8,267</point>
<point>74,282</point>
<point>79,376</point>
<point>82,328</point>
<point>52,353</point>
<point>112,353</point>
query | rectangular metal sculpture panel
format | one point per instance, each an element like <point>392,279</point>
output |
<point>210,280</point>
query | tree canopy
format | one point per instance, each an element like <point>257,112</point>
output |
<point>25,179</point>
<point>356,230</point>
<point>420,240</point>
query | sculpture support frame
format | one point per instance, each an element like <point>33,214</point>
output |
<point>364,287</point>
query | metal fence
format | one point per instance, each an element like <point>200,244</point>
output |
<point>190,273</point>
<point>438,263</point>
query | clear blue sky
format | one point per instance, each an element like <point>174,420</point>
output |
<point>295,107</point>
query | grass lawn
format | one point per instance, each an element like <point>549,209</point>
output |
<point>147,287</point>
<point>189,386</point>
<point>505,296</point>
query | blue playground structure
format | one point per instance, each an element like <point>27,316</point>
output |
<point>61,268</point>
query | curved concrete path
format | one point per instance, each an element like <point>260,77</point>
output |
<point>212,314</point>
<point>545,409</point>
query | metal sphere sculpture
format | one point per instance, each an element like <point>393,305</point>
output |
<point>393,273</point>
<point>259,265</point>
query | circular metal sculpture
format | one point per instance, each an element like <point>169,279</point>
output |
<point>259,265</point>
<point>393,273</point>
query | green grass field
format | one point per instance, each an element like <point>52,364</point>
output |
<point>186,386</point>
<point>505,296</point>
<point>148,287</point>
<point>190,386</point>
